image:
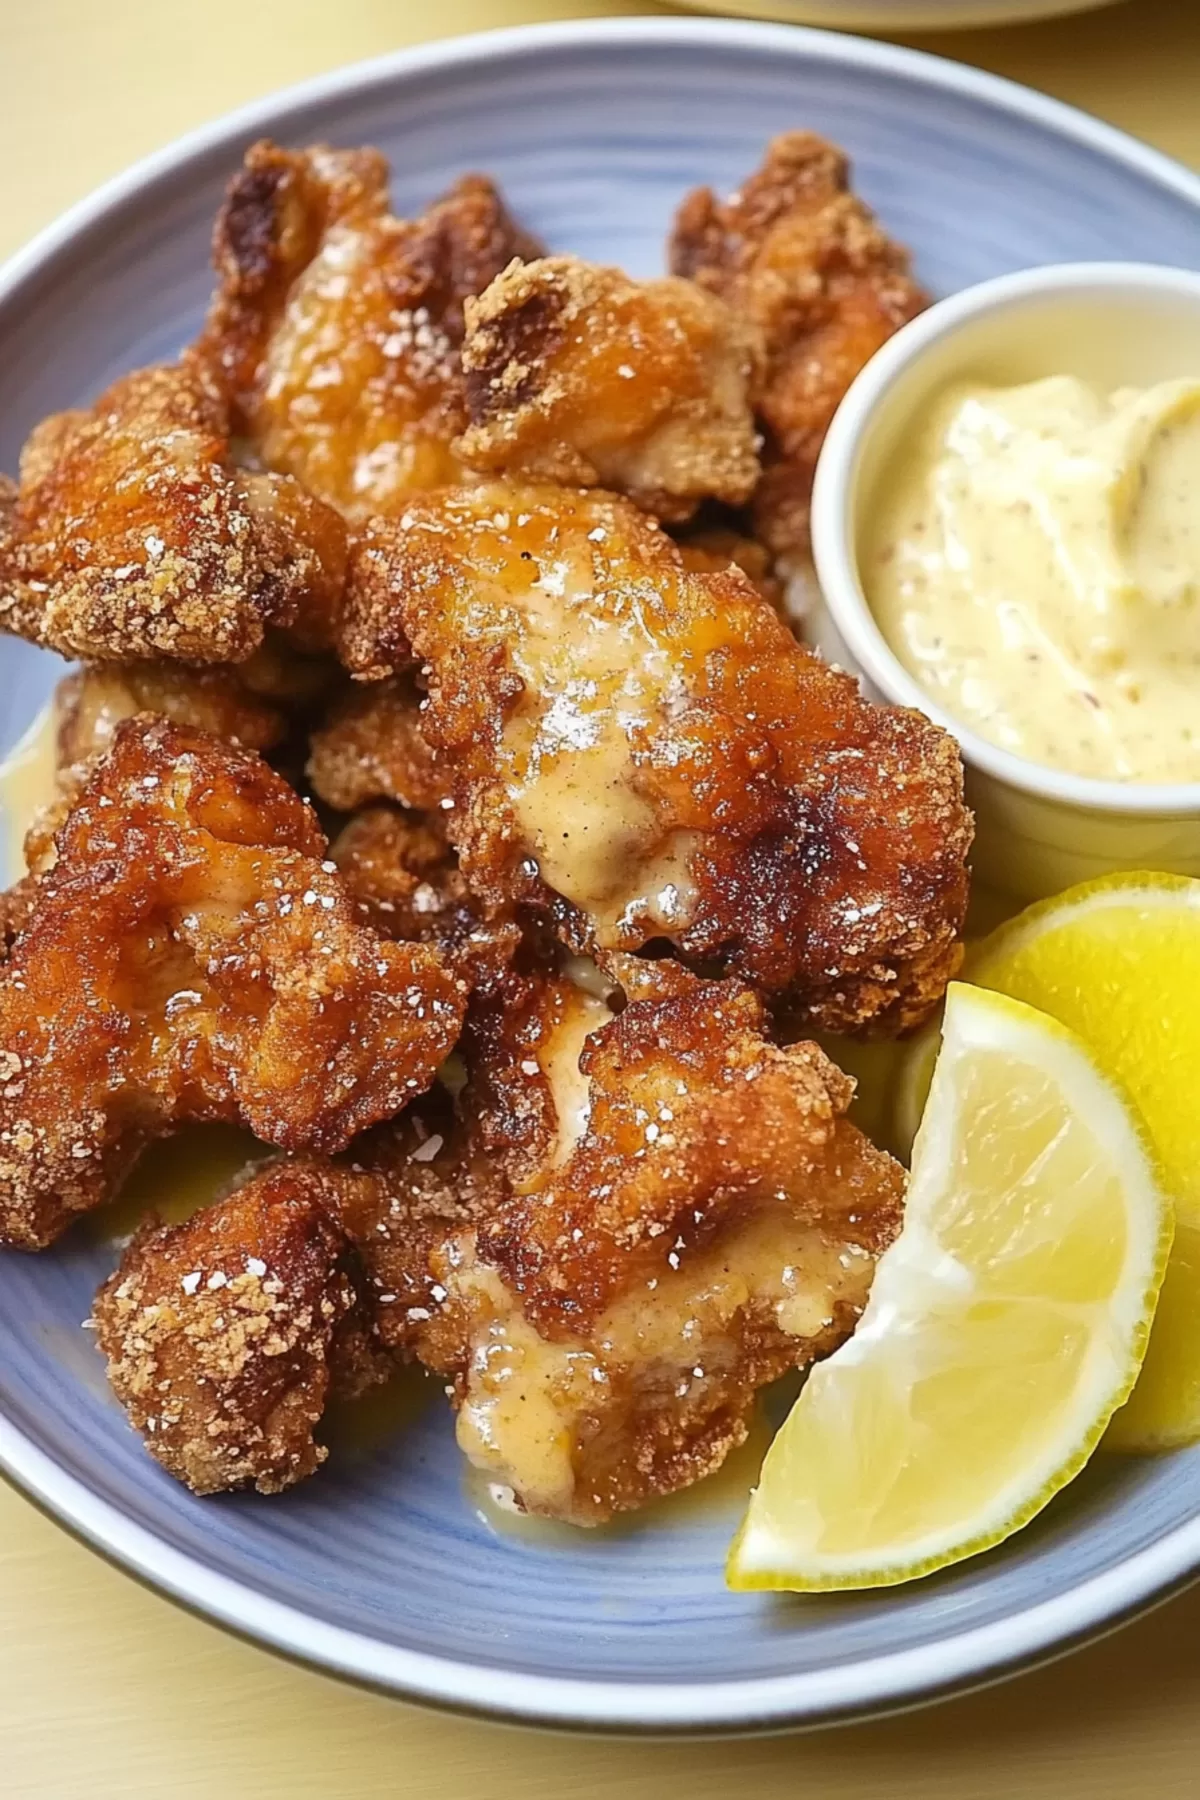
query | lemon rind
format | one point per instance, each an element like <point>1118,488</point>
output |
<point>971,1006</point>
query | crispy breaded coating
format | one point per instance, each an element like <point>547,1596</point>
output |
<point>576,374</point>
<point>92,702</point>
<point>404,874</point>
<point>403,871</point>
<point>647,754</point>
<point>370,747</point>
<point>798,255</point>
<point>688,1216</point>
<point>190,956</point>
<point>133,534</point>
<point>709,549</point>
<point>623,1228</point>
<point>15,904</point>
<point>336,327</point>
<point>225,1336</point>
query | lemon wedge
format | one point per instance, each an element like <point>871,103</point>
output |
<point>1118,960</point>
<point>1005,1324</point>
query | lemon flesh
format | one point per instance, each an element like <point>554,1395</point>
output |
<point>1118,960</point>
<point>1005,1324</point>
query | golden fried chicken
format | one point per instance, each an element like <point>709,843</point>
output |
<point>688,1215</point>
<point>15,904</point>
<point>336,328</point>
<point>710,549</point>
<point>622,1229</point>
<point>93,701</point>
<point>370,747</point>
<point>648,755</point>
<point>226,1335</point>
<point>798,255</point>
<point>405,876</point>
<point>402,870</point>
<point>134,535</point>
<point>576,374</point>
<point>191,956</point>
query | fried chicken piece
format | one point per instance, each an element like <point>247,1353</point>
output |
<point>133,534</point>
<point>576,374</point>
<point>800,256</point>
<point>404,873</point>
<point>93,701</point>
<point>15,905</point>
<point>225,1336</point>
<point>621,1230</point>
<point>711,549</point>
<point>370,748</point>
<point>688,1216</point>
<point>189,956</point>
<point>648,755</point>
<point>336,328</point>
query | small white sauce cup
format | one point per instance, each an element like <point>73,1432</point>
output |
<point>1039,829</point>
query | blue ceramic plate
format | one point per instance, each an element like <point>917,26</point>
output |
<point>382,1568</point>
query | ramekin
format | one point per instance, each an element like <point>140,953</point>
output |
<point>1039,829</point>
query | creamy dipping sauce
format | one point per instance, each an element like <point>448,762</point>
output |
<point>1034,561</point>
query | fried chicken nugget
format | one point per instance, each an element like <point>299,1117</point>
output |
<point>710,549</point>
<point>93,701</point>
<point>576,374</point>
<point>403,872</point>
<point>370,747</point>
<point>336,327</point>
<point>15,905</point>
<point>688,1215</point>
<point>647,754</point>
<point>133,535</point>
<point>189,956</point>
<point>796,253</point>
<point>225,1336</point>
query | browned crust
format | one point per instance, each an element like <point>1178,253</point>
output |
<point>799,255</point>
<point>710,549</point>
<point>831,835</point>
<point>699,1129</point>
<point>190,955</point>
<point>133,535</point>
<point>370,747</point>
<point>226,1335</point>
<point>93,701</point>
<point>335,327</point>
<point>576,374</point>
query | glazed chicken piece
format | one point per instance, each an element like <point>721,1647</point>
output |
<point>798,255</point>
<point>336,328</point>
<point>93,701</point>
<point>191,956</point>
<point>648,756</point>
<point>15,904</point>
<point>576,374</point>
<point>620,1231</point>
<point>134,535</point>
<point>404,874</point>
<point>710,549</point>
<point>688,1216</point>
<point>90,703</point>
<point>370,747</point>
<point>226,1336</point>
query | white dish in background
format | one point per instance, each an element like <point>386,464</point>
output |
<point>901,15</point>
<point>1038,830</point>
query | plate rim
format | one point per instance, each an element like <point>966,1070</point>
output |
<point>890,1682</point>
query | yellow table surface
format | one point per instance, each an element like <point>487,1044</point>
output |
<point>109,1692</point>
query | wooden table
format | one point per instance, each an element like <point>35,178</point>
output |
<point>109,1692</point>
